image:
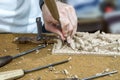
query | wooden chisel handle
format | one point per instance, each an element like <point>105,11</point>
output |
<point>51,4</point>
<point>11,75</point>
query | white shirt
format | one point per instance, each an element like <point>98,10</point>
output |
<point>19,16</point>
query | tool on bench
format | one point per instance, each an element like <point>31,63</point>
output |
<point>92,77</point>
<point>39,28</point>
<point>7,59</point>
<point>15,74</point>
<point>100,75</point>
<point>43,38</point>
<point>47,39</point>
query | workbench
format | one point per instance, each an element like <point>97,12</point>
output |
<point>80,65</point>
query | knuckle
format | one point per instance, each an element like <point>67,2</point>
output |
<point>62,12</point>
<point>71,7</point>
<point>65,31</point>
<point>64,23</point>
<point>70,28</point>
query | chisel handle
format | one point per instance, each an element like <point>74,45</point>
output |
<point>7,59</point>
<point>51,4</point>
<point>11,75</point>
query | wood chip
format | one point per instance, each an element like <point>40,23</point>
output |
<point>65,72</point>
<point>51,68</point>
<point>5,50</point>
<point>87,43</point>
<point>37,51</point>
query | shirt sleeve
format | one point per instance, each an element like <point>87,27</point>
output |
<point>41,2</point>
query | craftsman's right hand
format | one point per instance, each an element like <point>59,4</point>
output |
<point>68,21</point>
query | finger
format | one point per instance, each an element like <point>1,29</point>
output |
<point>68,39</point>
<point>73,20</point>
<point>70,26</point>
<point>74,31</point>
<point>72,15</point>
<point>69,31</point>
<point>54,29</point>
<point>64,25</point>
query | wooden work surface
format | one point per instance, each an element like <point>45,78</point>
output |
<point>80,65</point>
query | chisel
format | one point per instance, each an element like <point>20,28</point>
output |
<point>51,4</point>
<point>7,59</point>
<point>92,77</point>
<point>15,74</point>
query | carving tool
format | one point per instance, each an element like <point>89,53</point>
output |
<point>92,77</point>
<point>100,75</point>
<point>7,59</point>
<point>15,74</point>
<point>39,28</point>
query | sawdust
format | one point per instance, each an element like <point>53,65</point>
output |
<point>80,65</point>
<point>96,43</point>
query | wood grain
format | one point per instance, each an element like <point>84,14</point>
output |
<point>51,4</point>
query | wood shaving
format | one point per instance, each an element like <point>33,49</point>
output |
<point>51,68</point>
<point>17,48</point>
<point>58,44</point>
<point>5,50</point>
<point>39,78</point>
<point>107,70</point>
<point>57,72</point>
<point>90,43</point>
<point>37,51</point>
<point>49,49</point>
<point>65,71</point>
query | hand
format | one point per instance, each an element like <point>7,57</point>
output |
<point>68,21</point>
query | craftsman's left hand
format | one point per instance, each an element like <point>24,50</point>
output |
<point>68,21</point>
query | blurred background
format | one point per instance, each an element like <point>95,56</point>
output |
<point>93,15</point>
